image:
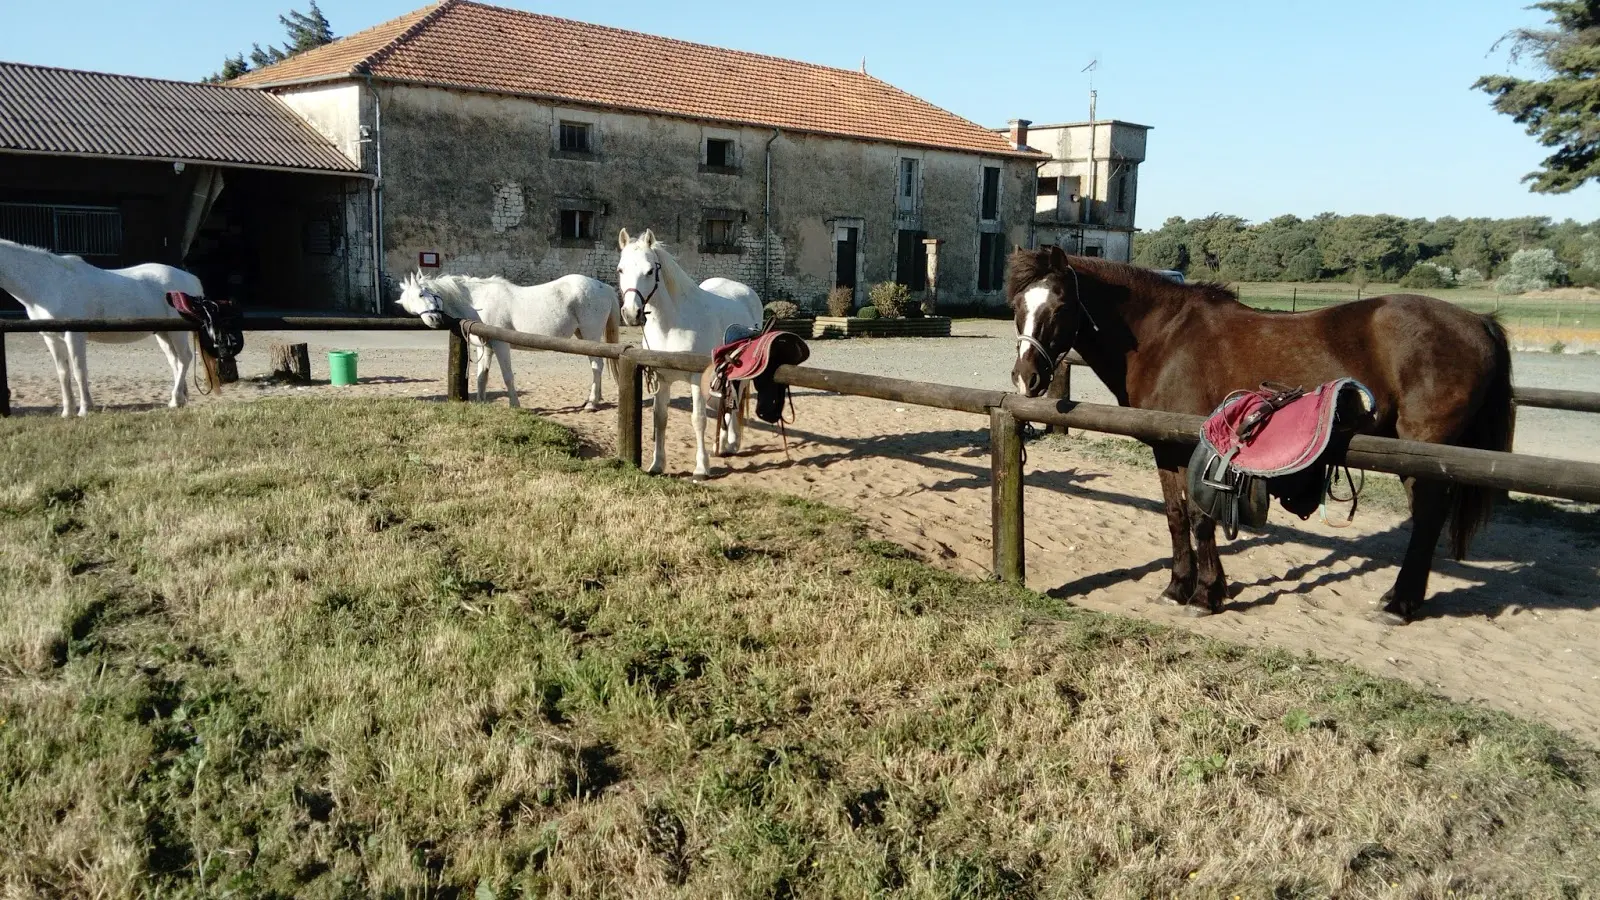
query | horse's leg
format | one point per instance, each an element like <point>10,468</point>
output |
<point>597,366</point>
<point>1212,588</point>
<point>58,356</point>
<point>1430,506</point>
<point>1170,466</point>
<point>658,412</point>
<point>502,352</point>
<point>697,401</point>
<point>736,418</point>
<point>78,355</point>
<point>170,341</point>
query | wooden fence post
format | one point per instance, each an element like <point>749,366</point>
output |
<point>1005,492</point>
<point>630,412</point>
<point>5,380</point>
<point>1060,389</point>
<point>455,378</point>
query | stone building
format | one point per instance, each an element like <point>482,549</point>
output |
<point>505,142</point>
<point>1088,189</point>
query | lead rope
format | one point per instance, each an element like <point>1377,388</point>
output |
<point>1329,484</point>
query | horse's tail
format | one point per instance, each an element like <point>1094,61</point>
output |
<point>1489,429</point>
<point>613,335</point>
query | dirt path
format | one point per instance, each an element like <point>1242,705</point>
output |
<point>1517,628</point>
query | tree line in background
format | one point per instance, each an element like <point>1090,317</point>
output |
<point>305,31</point>
<point>1519,254</point>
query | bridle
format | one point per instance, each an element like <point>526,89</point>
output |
<point>1039,347</point>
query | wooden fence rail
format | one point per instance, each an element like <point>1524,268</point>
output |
<point>1509,471</point>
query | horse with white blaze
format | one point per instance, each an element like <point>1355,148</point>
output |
<point>65,287</point>
<point>681,316</point>
<point>570,306</point>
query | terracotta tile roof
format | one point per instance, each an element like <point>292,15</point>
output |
<point>46,110</point>
<point>474,46</point>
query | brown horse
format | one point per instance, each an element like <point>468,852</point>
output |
<point>1438,373</point>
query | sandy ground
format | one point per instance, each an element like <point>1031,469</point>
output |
<point>1516,628</point>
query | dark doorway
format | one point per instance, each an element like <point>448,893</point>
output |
<point>911,260</point>
<point>847,241</point>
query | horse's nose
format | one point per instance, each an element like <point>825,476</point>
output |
<point>1035,384</point>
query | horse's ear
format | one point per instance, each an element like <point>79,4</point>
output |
<point>1058,256</point>
<point>649,238</point>
<point>622,239</point>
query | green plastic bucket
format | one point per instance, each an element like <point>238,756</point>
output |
<point>342,366</point>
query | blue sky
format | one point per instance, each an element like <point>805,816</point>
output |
<point>1259,108</point>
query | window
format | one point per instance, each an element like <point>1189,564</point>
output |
<point>991,261</point>
<point>719,231</point>
<point>1049,187</point>
<point>79,230</point>
<point>908,185</point>
<point>1122,192</point>
<point>991,194</point>
<point>575,138</point>
<point>1091,250</point>
<point>577,225</point>
<point>719,153</point>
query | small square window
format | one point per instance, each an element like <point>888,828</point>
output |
<point>577,225</point>
<point>1049,187</point>
<point>575,137</point>
<point>720,235</point>
<point>719,153</point>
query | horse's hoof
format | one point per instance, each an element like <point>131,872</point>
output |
<point>590,407</point>
<point>700,477</point>
<point>1176,594</point>
<point>1198,612</point>
<point>1388,619</point>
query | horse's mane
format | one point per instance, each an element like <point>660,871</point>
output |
<point>677,278</point>
<point>40,251</point>
<point>1031,266</point>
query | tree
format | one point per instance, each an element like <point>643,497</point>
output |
<point>1562,111</point>
<point>305,31</point>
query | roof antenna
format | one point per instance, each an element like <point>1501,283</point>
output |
<point>863,65</point>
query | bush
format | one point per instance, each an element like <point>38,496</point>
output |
<point>867,312</point>
<point>1531,270</point>
<point>1427,276</point>
<point>1469,276</point>
<point>1584,277</point>
<point>840,301</point>
<point>780,309</point>
<point>890,298</point>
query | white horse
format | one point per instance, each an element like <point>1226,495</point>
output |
<point>65,287</point>
<point>574,305</point>
<point>681,316</point>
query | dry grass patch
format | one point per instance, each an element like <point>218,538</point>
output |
<point>314,649</point>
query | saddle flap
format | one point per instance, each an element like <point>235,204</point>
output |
<point>1292,436</point>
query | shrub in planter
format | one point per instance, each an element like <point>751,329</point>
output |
<point>890,298</point>
<point>867,312</point>
<point>840,301</point>
<point>780,309</point>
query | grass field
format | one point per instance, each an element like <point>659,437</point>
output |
<point>1517,312</point>
<point>326,649</point>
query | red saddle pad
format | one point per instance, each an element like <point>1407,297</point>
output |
<point>1292,436</point>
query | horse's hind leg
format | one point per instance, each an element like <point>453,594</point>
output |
<point>58,356</point>
<point>175,344</point>
<point>502,352</point>
<point>481,351</point>
<point>1173,492</point>
<point>697,400</point>
<point>1430,506</point>
<point>597,366</point>
<point>733,422</point>
<point>1212,584</point>
<point>78,356</point>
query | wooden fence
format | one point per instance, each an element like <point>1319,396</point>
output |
<point>1006,412</point>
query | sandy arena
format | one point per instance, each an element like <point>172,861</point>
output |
<point>1516,627</point>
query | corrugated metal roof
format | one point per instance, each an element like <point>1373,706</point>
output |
<point>47,110</point>
<point>475,46</point>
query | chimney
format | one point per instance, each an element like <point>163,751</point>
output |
<point>1019,133</point>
